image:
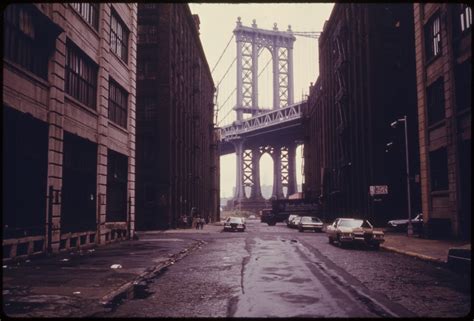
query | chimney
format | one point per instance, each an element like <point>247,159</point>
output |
<point>197,22</point>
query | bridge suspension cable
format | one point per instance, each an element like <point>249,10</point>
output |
<point>223,52</point>
<point>227,71</point>
<point>233,91</point>
<point>308,34</point>
<point>225,116</point>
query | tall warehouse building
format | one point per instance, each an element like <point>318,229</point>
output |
<point>367,80</point>
<point>443,38</point>
<point>177,158</point>
<point>68,125</point>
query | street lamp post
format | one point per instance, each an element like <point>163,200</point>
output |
<point>394,125</point>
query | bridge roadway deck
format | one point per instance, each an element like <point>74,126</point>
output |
<point>277,126</point>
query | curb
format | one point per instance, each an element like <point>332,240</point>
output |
<point>413,254</point>
<point>127,290</point>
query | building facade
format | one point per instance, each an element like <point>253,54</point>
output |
<point>69,125</point>
<point>177,158</point>
<point>367,80</point>
<point>443,38</point>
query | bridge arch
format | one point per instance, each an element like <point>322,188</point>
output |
<point>265,79</point>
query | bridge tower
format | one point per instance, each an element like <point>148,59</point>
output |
<point>250,40</point>
<point>249,150</point>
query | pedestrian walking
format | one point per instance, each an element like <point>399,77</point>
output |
<point>202,222</point>
<point>197,222</point>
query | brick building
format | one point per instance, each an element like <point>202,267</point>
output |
<point>367,80</point>
<point>443,39</point>
<point>68,125</point>
<point>177,159</point>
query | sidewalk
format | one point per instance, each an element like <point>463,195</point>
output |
<point>426,249</point>
<point>88,282</point>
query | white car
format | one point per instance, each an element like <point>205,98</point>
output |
<point>310,223</point>
<point>234,224</point>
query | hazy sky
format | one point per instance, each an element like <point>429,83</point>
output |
<point>217,23</point>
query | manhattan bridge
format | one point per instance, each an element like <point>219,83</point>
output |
<point>257,130</point>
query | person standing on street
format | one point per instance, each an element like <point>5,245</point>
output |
<point>198,221</point>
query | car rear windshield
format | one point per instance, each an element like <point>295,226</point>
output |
<point>310,219</point>
<point>234,220</point>
<point>351,223</point>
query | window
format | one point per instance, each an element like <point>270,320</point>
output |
<point>465,17</point>
<point>149,5</point>
<point>118,98</point>
<point>439,170</point>
<point>147,33</point>
<point>435,100</point>
<point>151,69</point>
<point>149,146</point>
<point>23,42</point>
<point>81,76</point>
<point>433,37</point>
<point>150,108</point>
<point>118,37</point>
<point>89,11</point>
<point>463,80</point>
<point>117,165</point>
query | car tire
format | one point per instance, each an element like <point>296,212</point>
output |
<point>300,230</point>
<point>339,243</point>
<point>376,246</point>
<point>331,241</point>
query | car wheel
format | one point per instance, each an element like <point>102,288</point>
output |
<point>339,243</point>
<point>331,241</point>
<point>300,230</point>
<point>376,246</point>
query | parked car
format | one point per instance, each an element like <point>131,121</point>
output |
<point>295,221</point>
<point>351,230</point>
<point>290,218</point>
<point>234,224</point>
<point>402,224</point>
<point>310,223</point>
<point>252,217</point>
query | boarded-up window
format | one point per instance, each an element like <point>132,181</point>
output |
<point>463,80</point>
<point>78,212</point>
<point>439,170</point>
<point>435,101</point>
<point>117,165</point>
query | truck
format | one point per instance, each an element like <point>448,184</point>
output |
<point>281,209</point>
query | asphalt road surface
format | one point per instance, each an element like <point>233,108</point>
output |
<point>274,271</point>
